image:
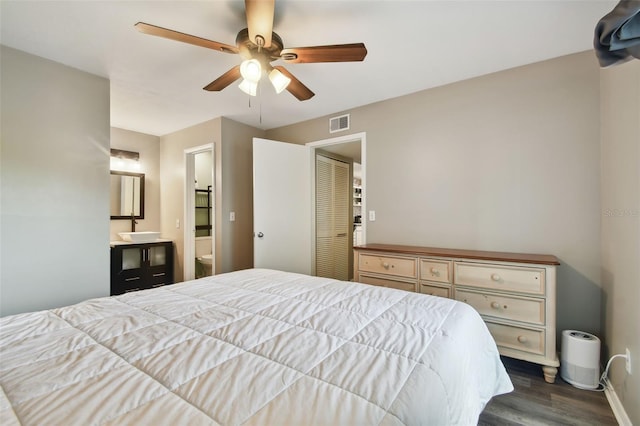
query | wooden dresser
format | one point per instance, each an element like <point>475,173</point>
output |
<point>515,293</point>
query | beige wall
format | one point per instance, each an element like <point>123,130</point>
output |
<point>620,93</point>
<point>149,148</point>
<point>172,182</point>
<point>54,184</point>
<point>233,190</point>
<point>237,196</point>
<point>506,162</point>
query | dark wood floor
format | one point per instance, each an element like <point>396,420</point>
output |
<point>536,402</point>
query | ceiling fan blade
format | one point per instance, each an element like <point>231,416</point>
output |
<point>224,80</point>
<point>331,53</point>
<point>260,19</point>
<point>295,87</point>
<point>185,38</point>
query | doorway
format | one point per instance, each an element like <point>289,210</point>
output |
<point>199,214</point>
<point>351,148</point>
<point>284,187</point>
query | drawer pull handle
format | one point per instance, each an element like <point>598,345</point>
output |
<point>495,277</point>
<point>522,339</point>
<point>385,265</point>
<point>495,305</point>
<point>435,272</point>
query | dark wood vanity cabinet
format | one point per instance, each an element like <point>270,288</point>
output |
<point>141,266</point>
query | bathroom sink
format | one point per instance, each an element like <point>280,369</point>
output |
<point>140,237</point>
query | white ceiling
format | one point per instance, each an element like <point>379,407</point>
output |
<point>156,84</point>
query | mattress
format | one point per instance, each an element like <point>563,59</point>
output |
<point>252,347</point>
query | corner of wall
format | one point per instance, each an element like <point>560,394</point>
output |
<point>236,237</point>
<point>620,225</point>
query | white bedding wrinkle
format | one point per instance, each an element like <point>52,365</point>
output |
<point>254,347</point>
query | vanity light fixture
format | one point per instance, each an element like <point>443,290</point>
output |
<point>121,159</point>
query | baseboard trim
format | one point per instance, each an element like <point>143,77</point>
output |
<point>616,406</point>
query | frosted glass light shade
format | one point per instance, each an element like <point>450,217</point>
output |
<point>251,70</point>
<point>124,164</point>
<point>279,80</point>
<point>249,87</point>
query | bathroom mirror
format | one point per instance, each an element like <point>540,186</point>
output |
<point>127,195</point>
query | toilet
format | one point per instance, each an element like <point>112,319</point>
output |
<point>207,263</point>
<point>203,255</point>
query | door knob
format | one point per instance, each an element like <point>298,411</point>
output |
<point>260,235</point>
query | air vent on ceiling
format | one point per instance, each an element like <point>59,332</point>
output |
<point>338,124</point>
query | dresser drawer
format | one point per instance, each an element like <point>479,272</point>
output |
<point>522,339</point>
<point>518,279</point>
<point>400,285</point>
<point>434,290</point>
<point>388,265</point>
<point>435,270</point>
<point>506,307</point>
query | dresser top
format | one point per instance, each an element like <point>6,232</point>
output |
<point>544,259</point>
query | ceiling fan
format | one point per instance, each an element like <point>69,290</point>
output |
<point>259,46</point>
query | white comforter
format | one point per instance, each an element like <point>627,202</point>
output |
<point>256,347</point>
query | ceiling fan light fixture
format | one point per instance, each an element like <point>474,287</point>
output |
<point>258,46</point>
<point>249,87</point>
<point>279,80</point>
<point>251,70</point>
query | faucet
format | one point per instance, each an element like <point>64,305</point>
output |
<point>133,223</point>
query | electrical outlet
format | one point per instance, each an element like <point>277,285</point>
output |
<point>628,361</point>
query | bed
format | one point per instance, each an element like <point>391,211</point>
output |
<point>252,347</point>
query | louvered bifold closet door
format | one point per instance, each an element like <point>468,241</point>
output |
<point>341,200</point>
<point>324,217</point>
<point>333,193</point>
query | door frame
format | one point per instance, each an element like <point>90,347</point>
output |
<point>355,137</point>
<point>189,241</point>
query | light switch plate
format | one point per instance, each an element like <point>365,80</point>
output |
<point>372,215</point>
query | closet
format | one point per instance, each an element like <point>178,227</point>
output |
<point>333,218</point>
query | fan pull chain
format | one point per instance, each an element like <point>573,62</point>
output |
<point>260,94</point>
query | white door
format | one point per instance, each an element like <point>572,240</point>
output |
<point>282,206</point>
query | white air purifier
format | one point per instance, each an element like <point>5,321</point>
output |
<point>580,359</point>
